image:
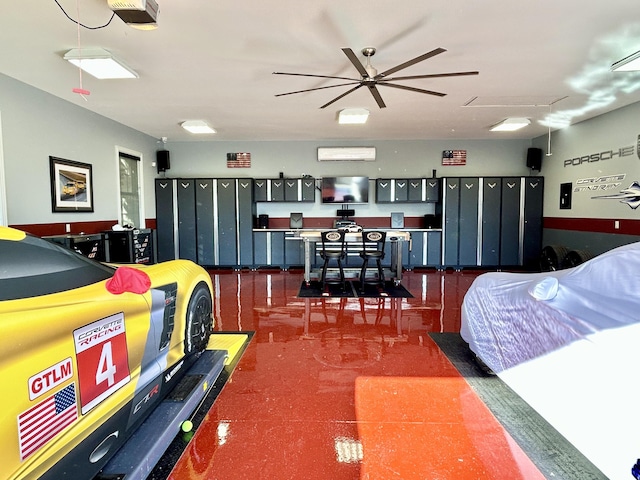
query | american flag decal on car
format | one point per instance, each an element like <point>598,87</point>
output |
<point>45,420</point>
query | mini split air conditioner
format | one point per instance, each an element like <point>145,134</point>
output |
<point>137,13</point>
<point>348,154</point>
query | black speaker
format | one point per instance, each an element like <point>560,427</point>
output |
<point>295,220</point>
<point>263,221</point>
<point>534,158</point>
<point>162,160</point>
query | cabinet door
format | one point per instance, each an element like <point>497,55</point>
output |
<point>451,220</point>
<point>227,214</point>
<point>415,189</point>
<point>246,211</point>
<point>260,190</point>
<point>204,221</point>
<point>308,190</point>
<point>187,219</point>
<point>510,222</point>
<point>417,255</point>
<point>277,190</point>
<point>468,226</point>
<point>401,188</point>
<point>532,240</point>
<point>293,251</point>
<point>432,192</point>
<point>434,249</point>
<point>277,249</point>
<point>292,190</point>
<point>490,215</point>
<point>165,226</point>
<point>260,249</point>
<point>383,190</point>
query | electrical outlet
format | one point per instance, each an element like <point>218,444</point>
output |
<point>616,224</point>
<point>67,227</point>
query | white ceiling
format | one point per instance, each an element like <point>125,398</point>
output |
<point>213,60</point>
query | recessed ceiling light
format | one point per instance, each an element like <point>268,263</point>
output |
<point>510,124</point>
<point>99,63</point>
<point>197,126</point>
<point>627,64</point>
<point>353,116</point>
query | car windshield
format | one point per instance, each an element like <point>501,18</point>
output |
<point>32,267</point>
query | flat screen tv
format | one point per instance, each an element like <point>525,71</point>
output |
<point>345,189</point>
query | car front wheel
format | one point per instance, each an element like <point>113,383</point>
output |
<point>199,323</point>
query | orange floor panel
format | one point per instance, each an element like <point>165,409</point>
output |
<point>435,428</point>
<point>338,389</point>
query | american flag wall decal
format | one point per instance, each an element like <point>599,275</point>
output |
<point>454,157</point>
<point>45,420</point>
<point>239,160</point>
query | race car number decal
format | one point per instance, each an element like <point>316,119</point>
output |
<point>103,362</point>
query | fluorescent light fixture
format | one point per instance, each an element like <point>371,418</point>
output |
<point>197,126</point>
<point>627,64</point>
<point>510,124</point>
<point>353,116</point>
<point>99,63</point>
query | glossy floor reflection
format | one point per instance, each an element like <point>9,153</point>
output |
<point>346,388</point>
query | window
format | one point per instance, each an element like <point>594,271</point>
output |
<point>130,204</point>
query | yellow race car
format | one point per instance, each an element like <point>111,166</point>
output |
<point>87,350</point>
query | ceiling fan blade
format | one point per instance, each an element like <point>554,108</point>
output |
<point>413,61</point>
<point>412,89</point>
<point>376,94</point>
<point>316,76</point>
<point>356,63</point>
<point>342,95</point>
<point>432,75</point>
<point>317,88</point>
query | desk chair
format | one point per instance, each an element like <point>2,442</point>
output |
<point>372,249</point>
<point>333,248</point>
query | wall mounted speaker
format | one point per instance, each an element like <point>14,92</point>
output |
<point>162,160</point>
<point>397,220</point>
<point>295,220</point>
<point>534,158</point>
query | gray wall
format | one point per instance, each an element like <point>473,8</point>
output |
<point>394,159</point>
<point>36,125</point>
<point>600,158</point>
<point>608,132</point>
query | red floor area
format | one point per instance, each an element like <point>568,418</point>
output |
<point>346,389</point>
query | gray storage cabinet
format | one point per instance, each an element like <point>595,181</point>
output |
<point>165,221</point>
<point>492,221</point>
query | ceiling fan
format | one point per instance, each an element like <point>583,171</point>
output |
<point>372,79</point>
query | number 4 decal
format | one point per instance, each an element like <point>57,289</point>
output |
<point>103,361</point>
<point>106,368</point>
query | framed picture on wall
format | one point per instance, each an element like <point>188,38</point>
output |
<point>71,186</point>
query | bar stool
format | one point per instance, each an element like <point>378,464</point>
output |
<point>333,248</point>
<point>372,249</point>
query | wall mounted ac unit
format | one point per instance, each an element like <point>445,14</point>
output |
<point>346,154</point>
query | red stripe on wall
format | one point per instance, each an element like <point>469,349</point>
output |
<point>75,228</point>
<point>596,225</point>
